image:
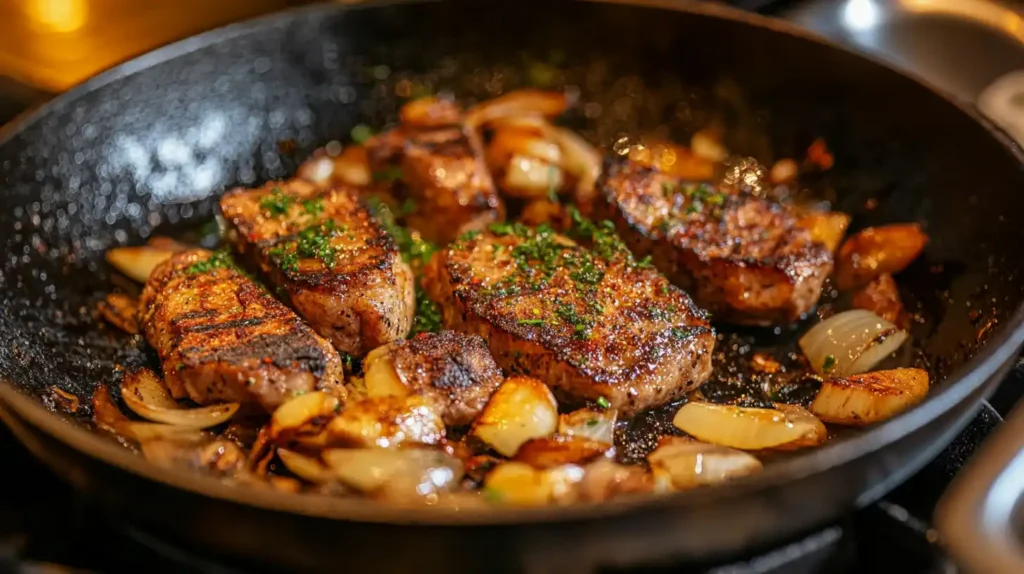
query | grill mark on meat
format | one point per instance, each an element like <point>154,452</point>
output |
<point>743,258</point>
<point>337,265</point>
<point>222,337</point>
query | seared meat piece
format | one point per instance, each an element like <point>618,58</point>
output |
<point>743,258</point>
<point>444,175</point>
<point>455,370</point>
<point>591,324</point>
<point>338,266</point>
<point>223,337</point>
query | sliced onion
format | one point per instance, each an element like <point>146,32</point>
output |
<point>305,467</point>
<point>579,158</point>
<point>679,463</point>
<point>531,178</point>
<point>521,409</point>
<point>106,415</point>
<point>146,395</point>
<point>596,425</point>
<point>748,428</point>
<point>509,142</point>
<point>137,262</point>
<point>396,471</point>
<point>518,103</point>
<point>850,343</point>
<point>298,412</point>
<point>381,378</point>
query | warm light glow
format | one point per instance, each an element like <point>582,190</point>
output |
<point>60,16</point>
<point>861,14</point>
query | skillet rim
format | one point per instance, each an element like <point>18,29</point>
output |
<point>995,354</point>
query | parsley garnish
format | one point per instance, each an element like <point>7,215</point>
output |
<point>603,403</point>
<point>277,203</point>
<point>220,259</point>
<point>312,242</point>
<point>428,315</point>
<point>593,422</point>
<point>681,333</point>
<point>313,207</point>
<point>530,321</point>
<point>829,363</point>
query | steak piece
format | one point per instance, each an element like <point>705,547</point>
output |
<point>222,337</point>
<point>742,258</point>
<point>454,370</point>
<point>338,267</point>
<point>443,173</point>
<point>592,324</point>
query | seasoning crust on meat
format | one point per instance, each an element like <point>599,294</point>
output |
<point>222,337</point>
<point>742,258</point>
<point>455,370</point>
<point>591,324</point>
<point>337,265</point>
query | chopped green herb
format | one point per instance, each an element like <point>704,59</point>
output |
<point>645,262</point>
<point>531,321</point>
<point>603,403</point>
<point>593,422</point>
<point>311,243</point>
<point>313,207</point>
<point>277,203</point>
<point>829,363</point>
<point>681,332</point>
<point>388,174</point>
<point>428,315</point>
<point>349,363</point>
<point>469,235</point>
<point>361,133</point>
<point>414,249</point>
<point>220,259</point>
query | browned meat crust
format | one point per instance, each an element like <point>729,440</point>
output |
<point>223,337</point>
<point>443,173</point>
<point>455,369</point>
<point>590,324</point>
<point>338,266</point>
<point>742,258</point>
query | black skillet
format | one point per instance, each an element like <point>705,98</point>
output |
<point>149,144</point>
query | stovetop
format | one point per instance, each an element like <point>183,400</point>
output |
<point>46,528</point>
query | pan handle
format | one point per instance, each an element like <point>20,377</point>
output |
<point>980,519</point>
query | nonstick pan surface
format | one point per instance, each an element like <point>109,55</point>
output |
<point>146,148</point>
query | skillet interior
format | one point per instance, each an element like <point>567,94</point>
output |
<point>112,162</point>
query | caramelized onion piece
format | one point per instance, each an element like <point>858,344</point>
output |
<point>137,262</point>
<point>876,250</point>
<point>747,428</point>
<point>146,395</point>
<point>679,464</point>
<point>551,452</point>
<point>518,103</point>
<point>299,414</point>
<point>519,484</point>
<point>430,112</point>
<point>305,467</point>
<point>826,228</point>
<point>387,422</point>
<point>394,472</point>
<point>591,424</point>
<point>107,416</point>
<point>120,311</point>
<point>882,297</point>
<point>850,342</point>
<point>530,178</point>
<point>521,409</point>
<point>380,376</point>
<point>869,398</point>
<point>510,142</point>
